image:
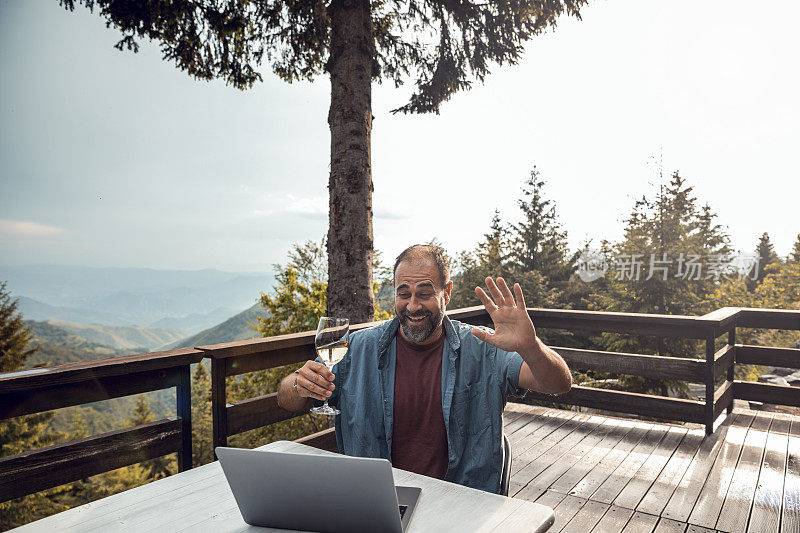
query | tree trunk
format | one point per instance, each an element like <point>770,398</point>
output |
<point>350,238</point>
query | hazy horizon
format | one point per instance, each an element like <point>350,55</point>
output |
<point>115,159</point>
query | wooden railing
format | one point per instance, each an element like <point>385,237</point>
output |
<point>44,389</point>
<point>40,390</point>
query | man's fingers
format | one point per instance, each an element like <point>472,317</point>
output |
<point>310,389</point>
<point>485,300</point>
<point>496,294</point>
<point>318,376</point>
<point>506,292</point>
<point>520,297</point>
<point>320,369</point>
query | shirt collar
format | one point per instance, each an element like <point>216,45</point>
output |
<point>391,330</point>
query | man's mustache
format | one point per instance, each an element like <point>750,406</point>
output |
<point>417,314</point>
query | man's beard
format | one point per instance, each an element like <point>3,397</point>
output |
<point>419,333</point>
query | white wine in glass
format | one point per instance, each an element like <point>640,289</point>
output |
<point>331,342</point>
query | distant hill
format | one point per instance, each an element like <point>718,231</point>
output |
<point>122,337</point>
<point>236,328</point>
<point>35,310</point>
<point>57,346</point>
<point>130,296</point>
<point>195,322</point>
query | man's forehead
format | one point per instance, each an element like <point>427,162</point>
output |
<point>416,271</point>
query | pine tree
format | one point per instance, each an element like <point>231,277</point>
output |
<point>671,260</point>
<point>539,253</point>
<point>26,432</point>
<point>766,255</point>
<point>794,257</point>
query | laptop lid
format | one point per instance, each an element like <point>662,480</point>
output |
<point>335,493</point>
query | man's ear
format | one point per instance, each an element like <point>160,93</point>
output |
<point>447,290</point>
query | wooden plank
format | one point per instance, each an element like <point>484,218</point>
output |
<point>766,514</point>
<point>565,510</point>
<point>615,483</point>
<point>323,440</point>
<point>219,402</point>
<point>739,498</point>
<point>790,517</point>
<point>723,398</point>
<point>712,497</point>
<point>666,525</point>
<point>681,326</point>
<point>698,529</point>
<point>552,447</point>
<point>263,360</point>
<point>768,318</point>
<point>545,425</point>
<point>183,408</point>
<point>99,368</point>
<point>768,356</point>
<point>36,470</point>
<point>723,359</point>
<point>599,473</point>
<point>683,499</point>
<point>548,435</point>
<point>767,393</point>
<point>651,366</point>
<point>36,400</point>
<point>257,412</point>
<point>665,484</point>
<point>614,520</point>
<point>620,428</point>
<point>520,427</point>
<point>586,518</point>
<point>628,402</point>
<point>640,482</point>
<point>559,465</point>
<point>641,523</point>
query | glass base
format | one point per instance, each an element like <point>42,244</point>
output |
<point>325,410</point>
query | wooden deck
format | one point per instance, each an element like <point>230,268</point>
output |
<point>605,474</point>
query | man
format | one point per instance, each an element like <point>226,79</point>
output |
<point>427,392</point>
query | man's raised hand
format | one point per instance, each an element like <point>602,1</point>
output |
<point>513,328</point>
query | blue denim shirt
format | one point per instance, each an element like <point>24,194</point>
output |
<point>476,380</point>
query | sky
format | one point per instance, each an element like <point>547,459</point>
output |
<point>112,158</point>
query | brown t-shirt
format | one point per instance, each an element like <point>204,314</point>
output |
<point>419,439</point>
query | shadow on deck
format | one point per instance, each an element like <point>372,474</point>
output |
<point>605,474</point>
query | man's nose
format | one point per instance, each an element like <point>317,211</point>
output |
<point>413,305</point>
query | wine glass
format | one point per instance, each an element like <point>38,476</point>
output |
<point>331,342</point>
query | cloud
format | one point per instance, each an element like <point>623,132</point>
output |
<point>28,229</point>
<point>316,207</point>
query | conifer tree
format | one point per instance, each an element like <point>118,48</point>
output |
<point>446,45</point>
<point>766,255</point>
<point>23,433</point>
<point>539,253</point>
<point>666,265</point>
<point>794,256</point>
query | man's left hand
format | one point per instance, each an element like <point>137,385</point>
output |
<point>513,328</point>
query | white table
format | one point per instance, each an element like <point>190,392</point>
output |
<point>200,500</point>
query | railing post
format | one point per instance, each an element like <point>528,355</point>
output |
<point>709,411</point>
<point>731,376</point>
<point>219,404</point>
<point>183,397</point>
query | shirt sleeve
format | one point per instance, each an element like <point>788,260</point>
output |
<point>509,365</point>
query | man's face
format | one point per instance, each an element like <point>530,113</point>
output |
<point>419,298</point>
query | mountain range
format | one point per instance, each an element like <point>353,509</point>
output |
<point>190,300</point>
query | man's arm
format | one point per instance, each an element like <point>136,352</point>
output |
<point>514,332</point>
<point>298,391</point>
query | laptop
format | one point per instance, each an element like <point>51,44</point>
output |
<point>326,493</point>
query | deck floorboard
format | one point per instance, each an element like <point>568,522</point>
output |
<point>602,473</point>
